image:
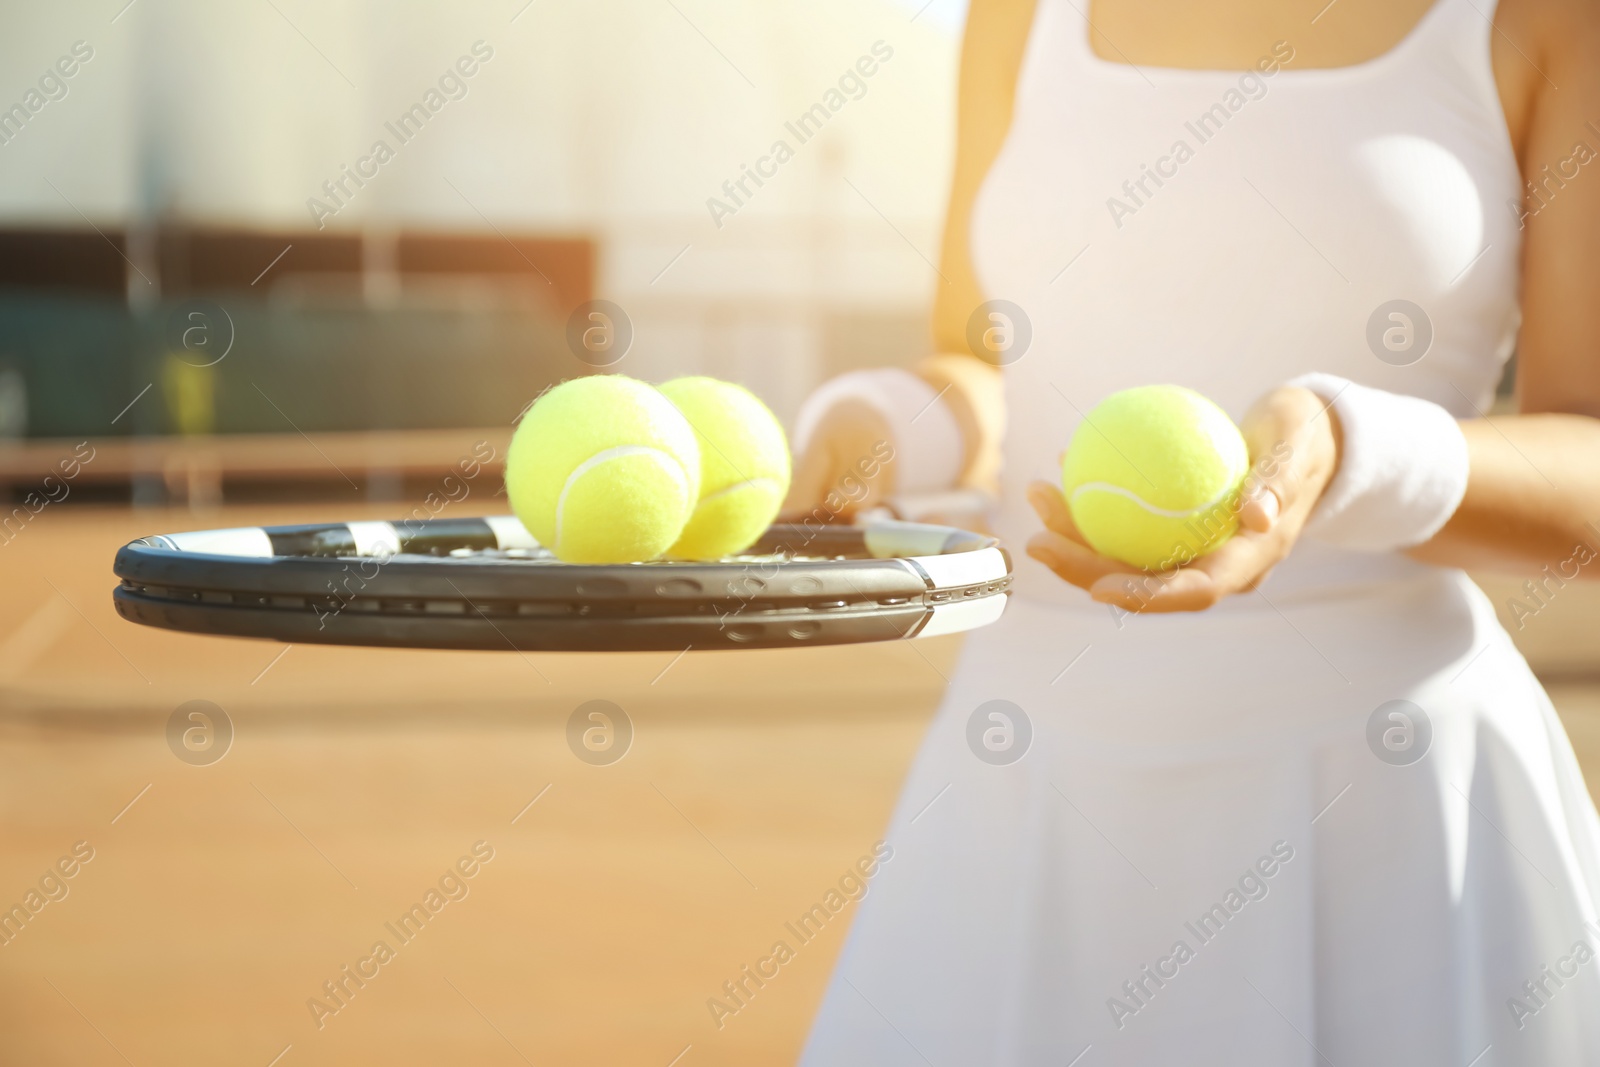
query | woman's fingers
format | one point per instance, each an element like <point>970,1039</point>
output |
<point>1289,433</point>
<point>1060,546</point>
<point>842,471</point>
<point>1052,509</point>
<point>1073,562</point>
<point>1184,589</point>
<point>1260,505</point>
<point>1293,441</point>
<point>809,484</point>
<point>1237,566</point>
<point>1268,430</point>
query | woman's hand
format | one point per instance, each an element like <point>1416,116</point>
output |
<point>1294,452</point>
<point>845,469</point>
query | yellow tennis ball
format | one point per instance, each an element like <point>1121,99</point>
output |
<point>1152,476</point>
<point>603,469</point>
<point>744,466</point>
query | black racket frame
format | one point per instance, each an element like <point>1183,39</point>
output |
<point>453,584</point>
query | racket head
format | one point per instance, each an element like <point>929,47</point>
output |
<point>484,583</point>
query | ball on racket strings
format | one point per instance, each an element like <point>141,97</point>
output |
<point>744,466</point>
<point>1153,474</point>
<point>603,469</point>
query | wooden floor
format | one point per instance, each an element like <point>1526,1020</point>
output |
<point>221,898</point>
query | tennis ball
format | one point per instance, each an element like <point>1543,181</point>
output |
<point>603,469</point>
<point>744,466</point>
<point>1152,476</point>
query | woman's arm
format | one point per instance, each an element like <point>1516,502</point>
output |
<point>991,57</point>
<point>1533,486</point>
<point>1533,493</point>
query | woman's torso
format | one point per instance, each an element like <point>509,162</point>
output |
<point>1228,230</point>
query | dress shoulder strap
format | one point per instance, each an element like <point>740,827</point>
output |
<point>1461,28</point>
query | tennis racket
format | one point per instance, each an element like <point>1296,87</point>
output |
<point>485,583</point>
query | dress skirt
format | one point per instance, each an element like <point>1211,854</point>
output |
<point>1335,830</point>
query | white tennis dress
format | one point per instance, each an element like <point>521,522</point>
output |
<point>1209,852</point>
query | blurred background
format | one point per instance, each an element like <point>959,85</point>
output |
<point>184,168</point>
<point>231,306</point>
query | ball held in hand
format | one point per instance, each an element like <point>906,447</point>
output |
<point>603,469</point>
<point>1153,474</point>
<point>744,467</point>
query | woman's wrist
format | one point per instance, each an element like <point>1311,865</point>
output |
<point>1326,438</point>
<point>1401,467</point>
<point>973,393</point>
<point>924,432</point>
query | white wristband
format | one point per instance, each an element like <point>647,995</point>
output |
<point>925,435</point>
<point>1402,471</point>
